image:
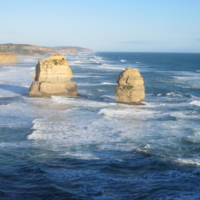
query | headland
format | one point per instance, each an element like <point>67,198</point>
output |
<point>31,50</point>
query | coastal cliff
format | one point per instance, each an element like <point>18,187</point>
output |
<point>65,49</point>
<point>7,58</point>
<point>31,50</point>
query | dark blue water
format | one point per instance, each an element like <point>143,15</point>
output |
<point>93,148</point>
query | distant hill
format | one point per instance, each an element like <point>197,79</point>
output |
<point>31,50</point>
<point>78,49</point>
<point>5,52</point>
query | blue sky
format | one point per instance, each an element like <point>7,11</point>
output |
<point>103,25</point>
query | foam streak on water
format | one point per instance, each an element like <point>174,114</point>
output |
<point>90,147</point>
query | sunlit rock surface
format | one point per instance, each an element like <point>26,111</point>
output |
<point>53,77</point>
<point>8,58</point>
<point>131,87</point>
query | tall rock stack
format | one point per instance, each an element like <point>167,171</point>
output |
<point>131,87</point>
<point>53,77</point>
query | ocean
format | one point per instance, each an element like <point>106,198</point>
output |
<point>91,147</point>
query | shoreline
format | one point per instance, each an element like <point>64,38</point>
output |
<point>10,63</point>
<point>21,56</point>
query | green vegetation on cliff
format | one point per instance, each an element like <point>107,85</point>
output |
<point>31,50</point>
<point>5,52</point>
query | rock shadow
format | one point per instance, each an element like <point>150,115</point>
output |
<point>15,89</point>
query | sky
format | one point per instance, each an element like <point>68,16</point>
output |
<point>103,25</point>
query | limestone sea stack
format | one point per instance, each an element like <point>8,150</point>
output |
<point>131,87</point>
<point>7,57</point>
<point>53,77</point>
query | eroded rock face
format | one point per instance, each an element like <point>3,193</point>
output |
<point>8,58</point>
<point>131,87</point>
<point>53,77</point>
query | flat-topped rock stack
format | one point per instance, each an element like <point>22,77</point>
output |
<point>131,87</point>
<point>53,77</point>
<point>7,57</point>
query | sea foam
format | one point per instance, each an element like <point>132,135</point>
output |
<point>79,102</point>
<point>196,103</point>
<point>107,83</point>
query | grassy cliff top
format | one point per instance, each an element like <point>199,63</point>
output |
<point>4,52</point>
<point>31,50</point>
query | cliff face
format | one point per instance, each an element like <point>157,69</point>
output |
<point>7,58</point>
<point>30,50</point>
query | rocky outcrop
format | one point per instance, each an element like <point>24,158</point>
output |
<point>8,58</point>
<point>53,77</point>
<point>131,87</point>
<point>31,50</point>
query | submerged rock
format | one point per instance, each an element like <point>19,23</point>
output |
<point>53,77</point>
<point>131,87</point>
